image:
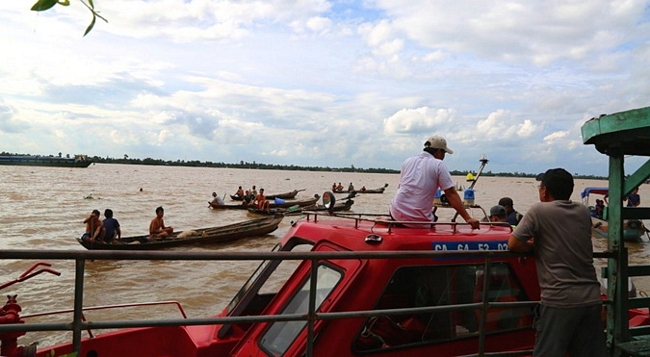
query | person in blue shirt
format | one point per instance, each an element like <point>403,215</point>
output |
<point>111,227</point>
<point>513,217</point>
<point>633,199</point>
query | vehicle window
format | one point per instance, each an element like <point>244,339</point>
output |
<point>426,286</point>
<point>279,336</point>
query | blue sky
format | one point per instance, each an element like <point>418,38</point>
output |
<point>323,83</point>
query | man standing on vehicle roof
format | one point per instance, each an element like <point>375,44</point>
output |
<point>420,178</point>
<point>568,319</point>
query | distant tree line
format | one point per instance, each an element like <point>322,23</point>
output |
<point>260,166</point>
<point>241,165</point>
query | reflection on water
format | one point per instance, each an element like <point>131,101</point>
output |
<point>43,208</point>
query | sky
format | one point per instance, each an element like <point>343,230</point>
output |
<point>323,83</point>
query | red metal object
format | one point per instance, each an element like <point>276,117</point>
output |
<point>10,314</point>
<point>30,274</point>
<point>8,340</point>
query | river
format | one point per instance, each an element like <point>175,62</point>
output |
<point>43,208</point>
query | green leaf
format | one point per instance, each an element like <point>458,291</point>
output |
<point>64,2</point>
<point>92,5</point>
<point>90,27</point>
<point>42,5</point>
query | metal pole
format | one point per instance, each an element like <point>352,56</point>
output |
<point>485,296</point>
<point>78,304</point>
<point>313,280</point>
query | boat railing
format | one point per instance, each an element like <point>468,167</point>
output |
<point>381,219</point>
<point>106,307</point>
<point>79,324</point>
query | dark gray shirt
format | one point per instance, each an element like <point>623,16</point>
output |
<point>563,253</point>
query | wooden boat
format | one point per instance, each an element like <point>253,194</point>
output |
<point>338,207</point>
<point>285,196</point>
<point>376,190</point>
<point>285,204</point>
<point>29,160</point>
<point>633,229</point>
<point>231,232</point>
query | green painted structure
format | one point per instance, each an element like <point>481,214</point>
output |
<point>619,135</point>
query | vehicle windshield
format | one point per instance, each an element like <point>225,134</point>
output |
<point>264,283</point>
<point>249,283</point>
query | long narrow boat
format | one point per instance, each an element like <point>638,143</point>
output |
<point>285,196</point>
<point>29,160</point>
<point>286,204</point>
<point>338,207</point>
<point>365,190</point>
<point>221,234</point>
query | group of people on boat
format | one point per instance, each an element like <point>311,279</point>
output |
<point>340,188</point>
<point>632,200</point>
<point>253,198</point>
<point>97,230</point>
<point>247,196</point>
<point>109,230</point>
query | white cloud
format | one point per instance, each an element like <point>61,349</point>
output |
<point>319,24</point>
<point>417,120</point>
<point>499,125</point>
<point>514,80</point>
<point>554,137</point>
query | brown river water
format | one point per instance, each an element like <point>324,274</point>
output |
<point>43,208</point>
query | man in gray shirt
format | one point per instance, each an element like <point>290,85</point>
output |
<point>558,231</point>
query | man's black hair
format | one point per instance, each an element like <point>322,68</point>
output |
<point>431,150</point>
<point>558,182</point>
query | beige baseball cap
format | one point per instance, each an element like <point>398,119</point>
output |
<point>438,142</point>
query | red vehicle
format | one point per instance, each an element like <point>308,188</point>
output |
<point>375,289</point>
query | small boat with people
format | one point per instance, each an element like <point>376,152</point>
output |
<point>633,229</point>
<point>337,207</point>
<point>328,204</point>
<point>276,203</point>
<point>220,234</point>
<point>363,189</point>
<point>285,195</point>
<point>53,161</point>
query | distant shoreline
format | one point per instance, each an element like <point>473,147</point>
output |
<point>260,166</point>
